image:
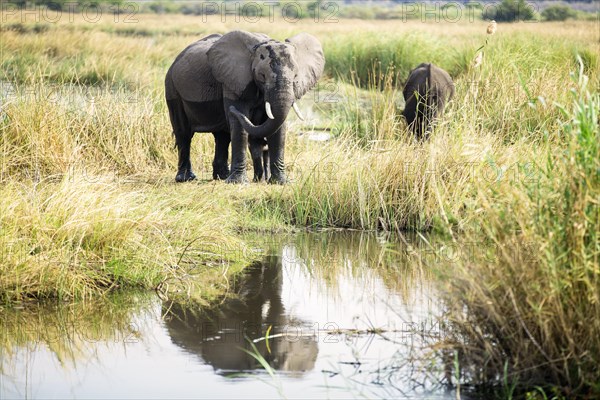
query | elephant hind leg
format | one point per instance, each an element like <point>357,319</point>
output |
<point>431,111</point>
<point>183,138</point>
<point>424,116</point>
<point>221,160</point>
<point>410,113</point>
<point>418,122</point>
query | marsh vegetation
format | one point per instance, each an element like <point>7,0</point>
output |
<point>87,202</point>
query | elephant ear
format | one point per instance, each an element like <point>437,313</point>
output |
<point>230,60</point>
<point>311,62</point>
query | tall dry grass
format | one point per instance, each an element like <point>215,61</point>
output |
<point>76,239</point>
<point>88,202</point>
<point>525,313</point>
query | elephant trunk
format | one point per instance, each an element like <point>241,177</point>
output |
<point>278,109</point>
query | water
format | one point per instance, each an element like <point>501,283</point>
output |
<point>318,296</point>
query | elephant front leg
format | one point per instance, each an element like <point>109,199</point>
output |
<point>220,162</point>
<point>276,143</point>
<point>239,144</point>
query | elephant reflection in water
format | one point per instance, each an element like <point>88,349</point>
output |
<point>220,335</point>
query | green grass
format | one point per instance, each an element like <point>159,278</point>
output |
<point>352,57</point>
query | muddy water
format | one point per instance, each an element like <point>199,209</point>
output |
<point>331,315</point>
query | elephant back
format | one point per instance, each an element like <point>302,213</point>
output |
<point>190,77</point>
<point>441,82</point>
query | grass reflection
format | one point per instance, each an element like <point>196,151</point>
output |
<point>70,331</point>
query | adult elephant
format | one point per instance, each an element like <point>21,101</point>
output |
<point>240,86</point>
<point>426,92</point>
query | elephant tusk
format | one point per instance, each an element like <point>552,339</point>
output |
<point>268,109</point>
<point>297,110</point>
<point>239,115</point>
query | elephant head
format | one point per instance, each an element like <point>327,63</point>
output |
<point>278,73</point>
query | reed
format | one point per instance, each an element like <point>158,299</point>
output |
<point>524,297</point>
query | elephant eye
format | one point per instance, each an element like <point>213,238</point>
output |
<point>262,56</point>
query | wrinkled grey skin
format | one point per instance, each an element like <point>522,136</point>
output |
<point>426,93</point>
<point>220,84</point>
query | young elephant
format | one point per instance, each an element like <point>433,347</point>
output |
<point>240,86</point>
<point>426,92</point>
<point>259,150</point>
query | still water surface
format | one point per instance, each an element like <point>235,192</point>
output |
<point>318,296</point>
